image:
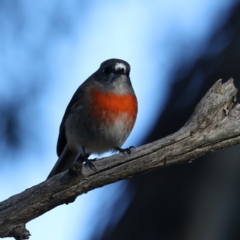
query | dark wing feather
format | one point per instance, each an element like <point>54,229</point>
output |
<point>62,140</point>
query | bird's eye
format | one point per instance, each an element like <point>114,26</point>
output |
<point>107,70</point>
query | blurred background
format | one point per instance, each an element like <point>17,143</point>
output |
<point>177,50</point>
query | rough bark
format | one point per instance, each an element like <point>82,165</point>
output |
<point>214,125</point>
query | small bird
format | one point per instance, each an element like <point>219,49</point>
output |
<point>99,117</point>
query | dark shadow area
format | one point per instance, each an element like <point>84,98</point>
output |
<point>198,200</point>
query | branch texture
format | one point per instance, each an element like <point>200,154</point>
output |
<point>214,125</point>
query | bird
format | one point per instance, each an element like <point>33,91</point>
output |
<point>98,118</point>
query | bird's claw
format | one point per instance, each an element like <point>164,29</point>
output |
<point>125,150</point>
<point>88,163</point>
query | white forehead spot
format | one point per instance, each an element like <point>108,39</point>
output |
<point>120,66</point>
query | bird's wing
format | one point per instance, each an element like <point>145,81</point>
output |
<point>76,100</point>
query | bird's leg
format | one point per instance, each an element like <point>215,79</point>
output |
<point>84,159</point>
<point>125,150</point>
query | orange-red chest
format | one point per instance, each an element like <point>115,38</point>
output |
<point>110,107</point>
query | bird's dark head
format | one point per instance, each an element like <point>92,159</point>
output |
<point>113,75</point>
<point>115,66</point>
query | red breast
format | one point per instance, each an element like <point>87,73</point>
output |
<point>108,107</point>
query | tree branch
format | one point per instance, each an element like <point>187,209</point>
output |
<point>214,125</point>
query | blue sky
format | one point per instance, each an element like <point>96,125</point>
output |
<point>53,46</point>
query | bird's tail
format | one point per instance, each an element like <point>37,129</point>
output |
<point>64,162</point>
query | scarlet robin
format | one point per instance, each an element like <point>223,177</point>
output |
<point>99,117</point>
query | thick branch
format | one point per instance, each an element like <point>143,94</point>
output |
<point>214,124</point>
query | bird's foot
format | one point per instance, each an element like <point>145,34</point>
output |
<point>84,159</point>
<point>88,163</point>
<point>125,150</point>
